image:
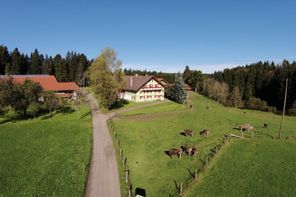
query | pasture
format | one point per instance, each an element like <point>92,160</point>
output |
<point>262,167</point>
<point>48,156</point>
<point>145,134</point>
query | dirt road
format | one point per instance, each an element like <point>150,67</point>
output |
<point>103,178</point>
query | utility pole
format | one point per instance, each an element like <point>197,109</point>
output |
<point>284,108</point>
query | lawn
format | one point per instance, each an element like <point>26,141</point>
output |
<point>48,156</point>
<point>145,134</point>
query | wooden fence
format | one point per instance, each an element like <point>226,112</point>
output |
<point>200,168</point>
<point>123,160</point>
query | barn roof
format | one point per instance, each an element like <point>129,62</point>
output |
<point>134,83</point>
<point>47,82</point>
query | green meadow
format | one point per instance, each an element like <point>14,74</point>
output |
<point>48,156</point>
<point>145,134</point>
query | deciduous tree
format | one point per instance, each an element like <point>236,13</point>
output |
<point>106,77</point>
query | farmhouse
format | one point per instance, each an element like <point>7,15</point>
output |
<point>142,88</point>
<point>48,83</point>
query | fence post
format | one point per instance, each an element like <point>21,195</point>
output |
<point>195,175</point>
<point>126,176</point>
<point>123,158</point>
<point>181,189</point>
<point>130,190</point>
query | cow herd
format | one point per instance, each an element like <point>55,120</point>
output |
<point>193,150</point>
<point>186,149</point>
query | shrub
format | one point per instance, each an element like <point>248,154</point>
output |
<point>258,104</point>
<point>292,110</point>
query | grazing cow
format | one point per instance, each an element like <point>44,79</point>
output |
<point>194,151</point>
<point>175,151</point>
<point>205,132</point>
<point>187,149</point>
<point>187,132</point>
<point>246,127</point>
<point>265,125</point>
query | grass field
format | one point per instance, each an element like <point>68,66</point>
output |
<point>146,133</point>
<point>251,168</point>
<point>48,156</point>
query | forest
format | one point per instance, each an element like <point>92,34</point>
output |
<point>69,68</point>
<point>262,80</point>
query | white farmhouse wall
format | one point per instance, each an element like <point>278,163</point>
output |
<point>152,91</point>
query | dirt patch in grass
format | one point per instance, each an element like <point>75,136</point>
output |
<point>147,116</point>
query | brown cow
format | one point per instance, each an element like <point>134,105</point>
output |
<point>194,151</point>
<point>246,127</point>
<point>187,149</point>
<point>205,132</point>
<point>175,151</point>
<point>187,132</point>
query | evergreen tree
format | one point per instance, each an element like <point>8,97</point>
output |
<point>15,66</point>
<point>25,64</point>
<point>60,68</point>
<point>177,92</point>
<point>36,63</point>
<point>48,66</point>
<point>71,64</point>
<point>186,74</point>
<point>82,66</point>
<point>4,59</point>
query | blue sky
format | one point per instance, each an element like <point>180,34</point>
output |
<point>155,34</point>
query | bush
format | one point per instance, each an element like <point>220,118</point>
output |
<point>292,110</point>
<point>258,104</point>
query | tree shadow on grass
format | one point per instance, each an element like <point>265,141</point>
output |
<point>191,173</point>
<point>66,110</point>
<point>176,185</point>
<point>86,114</point>
<point>63,110</point>
<point>119,104</point>
<point>14,118</point>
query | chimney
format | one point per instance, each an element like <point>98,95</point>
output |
<point>131,81</point>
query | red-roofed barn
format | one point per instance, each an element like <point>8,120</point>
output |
<point>48,83</point>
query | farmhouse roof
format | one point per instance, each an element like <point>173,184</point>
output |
<point>47,82</point>
<point>134,83</point>
<point>187,87</point>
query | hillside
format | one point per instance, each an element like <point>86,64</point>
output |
<point>145,134</point>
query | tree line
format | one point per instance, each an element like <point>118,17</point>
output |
<point>169,77</point>
<point>262,83</point>
<point>72,67</point>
